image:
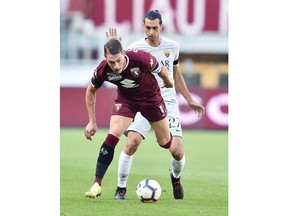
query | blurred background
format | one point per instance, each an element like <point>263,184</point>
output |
<point>199,26</point>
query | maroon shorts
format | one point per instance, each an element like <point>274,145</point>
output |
<point>153,113</point>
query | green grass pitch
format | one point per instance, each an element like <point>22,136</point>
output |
<point>205,176</point>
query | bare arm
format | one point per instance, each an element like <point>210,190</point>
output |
<point>182,88</point>
<point>90,99</point>
<point>163,74</point>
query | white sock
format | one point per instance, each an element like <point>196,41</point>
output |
<point>124,166</point>
<point>177,166</point>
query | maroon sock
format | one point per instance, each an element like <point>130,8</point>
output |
<point>111,140</point>
<point>98,180</point>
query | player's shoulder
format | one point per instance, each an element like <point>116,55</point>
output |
<point>102,64</point>
<point>136,54</point>
<point>139,44</point>
<point>169,42</point>
<point>101,67</point>
<point>139,57</point>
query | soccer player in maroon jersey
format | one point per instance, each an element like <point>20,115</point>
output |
<point>138,91</point>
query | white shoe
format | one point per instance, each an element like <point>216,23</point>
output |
<point>94,191</point>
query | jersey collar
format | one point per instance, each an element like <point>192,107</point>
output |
<point>127,62</point>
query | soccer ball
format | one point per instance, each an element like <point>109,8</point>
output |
<point>148,190</point>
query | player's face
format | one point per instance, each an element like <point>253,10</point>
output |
<point>116,62</point>
<point>152,30</point>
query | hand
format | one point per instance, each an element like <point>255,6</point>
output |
<point>90,130</point>
<point>112,34</point>
<point>198,109</point>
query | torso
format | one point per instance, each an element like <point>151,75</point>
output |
<point>166,53</point>
<point>136,82</point>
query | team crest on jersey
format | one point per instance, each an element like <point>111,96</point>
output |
<point>118,106</point>
<point>167,53</point>
<point>135,71</point>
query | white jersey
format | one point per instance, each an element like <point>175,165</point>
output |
<point>166,53</point>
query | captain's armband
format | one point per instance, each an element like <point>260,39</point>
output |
<point>158,69</point>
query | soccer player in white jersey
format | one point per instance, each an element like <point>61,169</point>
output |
<point>166,51</point>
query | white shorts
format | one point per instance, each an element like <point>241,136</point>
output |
<point>142,125</point>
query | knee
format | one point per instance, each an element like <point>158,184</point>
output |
<point>177,153</point>
<point>176,149</point>
<point>132,143</point>
<point>168,144</point>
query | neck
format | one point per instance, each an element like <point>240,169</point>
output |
<point>155,43</point>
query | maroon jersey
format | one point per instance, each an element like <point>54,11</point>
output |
<point>138,90</point>
<point>136,83</point>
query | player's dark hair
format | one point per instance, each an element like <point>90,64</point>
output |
<point>152,15</point>
<point>113,46</point>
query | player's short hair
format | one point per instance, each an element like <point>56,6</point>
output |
<point>113,46</point>
<point>152,15</point>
